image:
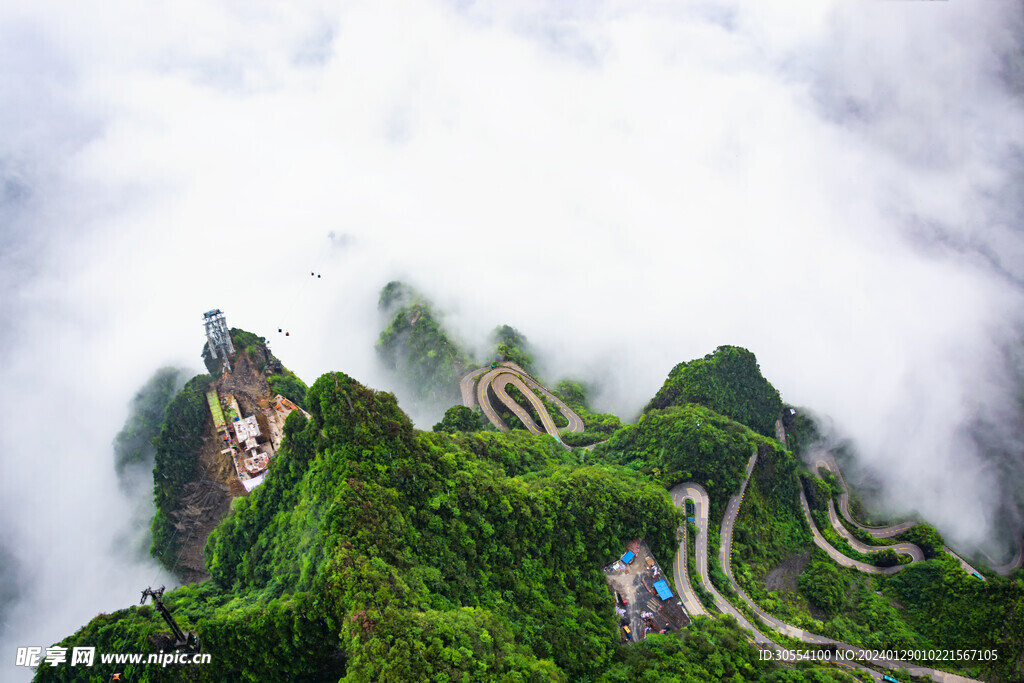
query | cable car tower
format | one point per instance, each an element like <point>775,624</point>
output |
<point>183,640</point>
<point>217,336</point>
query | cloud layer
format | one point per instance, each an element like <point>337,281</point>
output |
<point>835,188</point>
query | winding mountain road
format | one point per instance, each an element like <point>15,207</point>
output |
<point>497,378</point>
<point>827,461</point>
<point>1016,563</point>
<point>837,556</point>
<point>696,493</point>
<point>909,549</point>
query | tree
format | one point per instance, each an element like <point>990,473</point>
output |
<point>729,382</point>
<point>459,419</point>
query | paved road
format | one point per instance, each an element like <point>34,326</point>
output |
<point>699,496</point>
<point>825,460</point>
<point>466,386</point>
<point>1014,564</point>
<point>697,493</point>
<point>914,552</point>
<point>501,381</point>
<point>839,557</point>
<point>501,376</point>
<point>575,422</point>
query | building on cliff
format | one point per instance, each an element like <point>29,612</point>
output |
<point>252,440</point>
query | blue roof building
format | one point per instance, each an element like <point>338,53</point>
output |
<point>664,592</point>
<point>628,557</point>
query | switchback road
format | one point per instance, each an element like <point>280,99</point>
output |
<point>826,461</point>
<point>1014,564</point>
<point>696,493</point>
<point>497,378</point>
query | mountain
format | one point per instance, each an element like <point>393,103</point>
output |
<point>728,381</point>
<point>416,348</point>
<point>376,551</point>
<point>193,482</point>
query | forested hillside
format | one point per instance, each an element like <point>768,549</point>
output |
<point>374,551</point>
<point>177,457</point>
<point>180,478</point>
<point>133,445</point>
<point>416,348</point>
<point>728,381</point>
<point>686,443</point>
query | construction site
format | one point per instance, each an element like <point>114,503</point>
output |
<point>241,438</point>
<point>644,601</point>
<point>249,441</point>
<point>249,421</point>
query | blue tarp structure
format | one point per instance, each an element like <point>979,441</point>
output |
<point>628,557</point>
<point>664,592</point>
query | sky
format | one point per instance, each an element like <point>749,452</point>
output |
<point>835,186</point>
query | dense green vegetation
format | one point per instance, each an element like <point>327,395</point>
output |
<point>511,345</point>
<point>707,650</point>
<point>770,529</point>
<point>374,551</point>
<point>280,379</point>
<point>395,295</point>
<point>597,427</point>
<point>290,386</point>
<point>243,341</point>
<point>460,419</point>
<point>251,344</point>
<point>727,381</point>
<point>823,583</point>
<point>951,608</point>
<point>516,395</point>
<point>802,431</point>
<point>560,420</point>
<point>819,493</point>
<point>686,443</point>
<point>177,455</point>
<point>417,349</point>
<point>185,421</point>
<point>872,611</point>
<point>925,537</point>
<point>443,531</point>
<point>134,443</point>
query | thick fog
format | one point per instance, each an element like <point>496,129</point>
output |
<point>835,186</point>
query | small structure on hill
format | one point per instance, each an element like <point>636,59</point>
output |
<point>218,338</point>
